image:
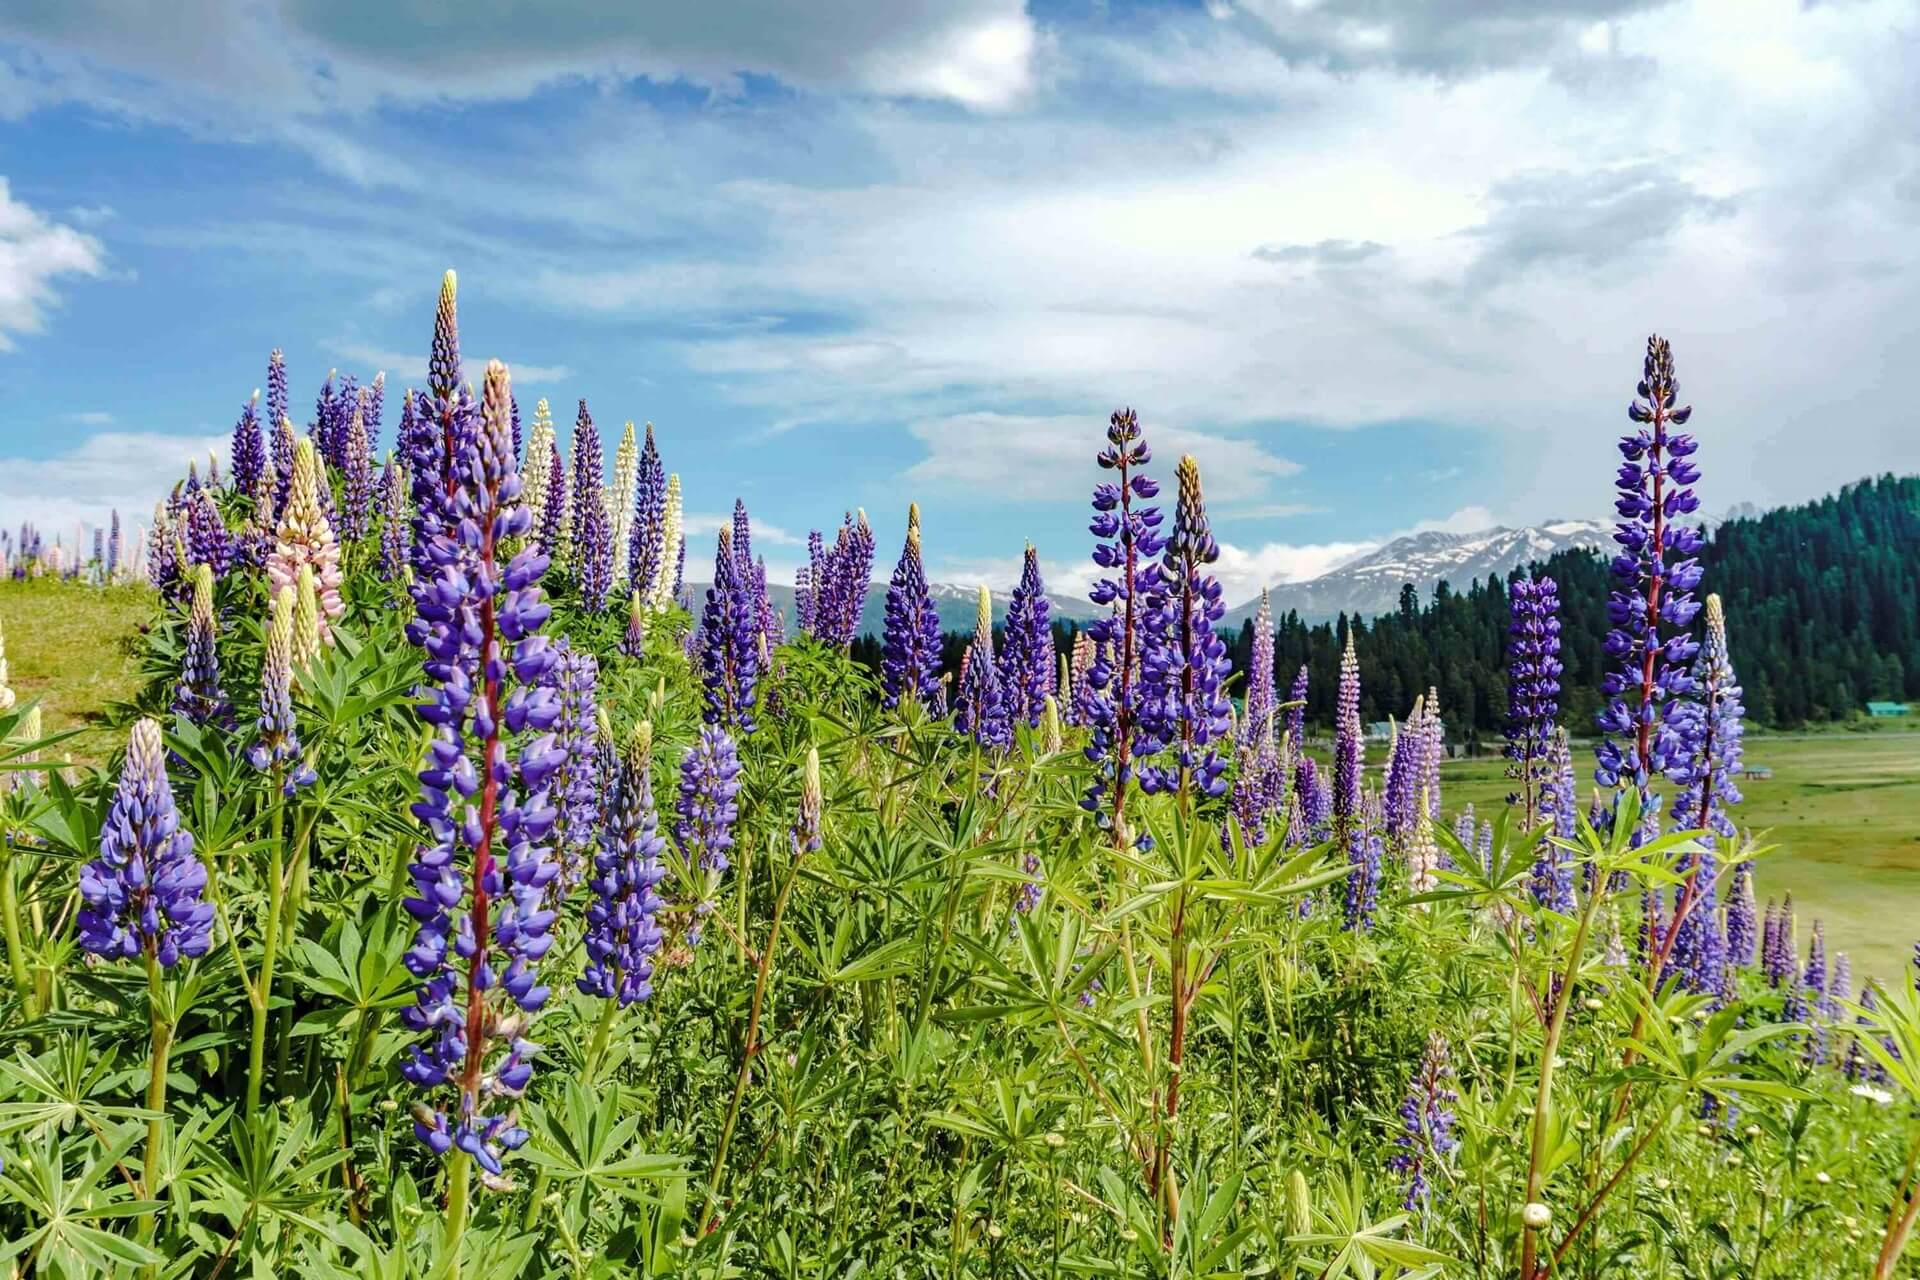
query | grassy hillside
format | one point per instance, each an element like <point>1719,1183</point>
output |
<point>70,647</point>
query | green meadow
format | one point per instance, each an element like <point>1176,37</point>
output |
<point>1842,809</point>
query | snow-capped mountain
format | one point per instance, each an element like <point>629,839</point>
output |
<point>1371,584</point>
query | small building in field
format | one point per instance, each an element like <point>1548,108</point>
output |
<point>1886,708</point>
<point>1380,731</point>
<point>1756,771</point>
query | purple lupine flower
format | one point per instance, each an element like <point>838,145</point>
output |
<point>622,931</point>
<point>278,406</point>
<point>278,746</point>
<point>206,534</point>
<point>1839,987</point>
<point>373,405</point>
<point>1779,959</point>
<point>709,781</point>
<point>807,580</point>
<point>393,521</point>
<point>1426,1139</point>
<point>1258,723</point>
<point>1296,724</point>
<point>445,428</point>
<point>1435,749</point>
<point>144,894</point>
<point>573,790</point>
<point>480,887</point>
<point>320,430</point>
<point>1127,540</point>
<point>249,452</point>
<point>1026,659</point>
<point>1741,909</point>
<point>114,545</point>
<point>1183,661</point>
<point>1406,762</point>
<point>1552,881</point>
<point>837,582</point>
<point>1315,801</point>
<point>356,469</point>
<point>1809,1002</point>
<point>646,537</point>
<point>980,706</point>
<point>729,642</point>
<point>1651,608</point>
<point>633,641</point>
<point>200,699</point>
<point>555,535</point>
<point>1533,688</point>
<point>592,536</point>
<point>1699,949</point>
<point>1364,850</point>
<point>1703,737</point>
<point>910,648</point>
<point>1349,748</point>
<point>284,447</point>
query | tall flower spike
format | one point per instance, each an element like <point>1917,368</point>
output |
<point>144,894</point>
<point>837,582</point>
<point>979,708</point>
<point>592,536</point>
<point>278,744</point>
<point>480,886</point>
<point>206,534</point>
<point>1552,882</point>
<point>1127,539</point>
<point>1183,661</point>
<point>555,536</point>
<point>307,639</point>
<point>393,521</point>
<point>115,548</point>
<point>1349,748</point>
<point>537,472</point>
<point>199,698</point>
<point>305,539</point>
<point>729,642</point>
<point>1704,736</point>
<point>1259,724</point>
<point>573,790</point>
<point>1651,608</point>
<point>278,406</point>
<point>626,477</point>
<point>1400,792</point>
<point>1423,853</point>
<point>1026,660</point>
<point>621,934</point>
<point>249,451</point>
<point>1426,1138</point>
<point>646,521</point>
<point>709,781</point>
<point>357,493</point>
<point>1742,908</point>
<point>1533,688</point>
<point>910,641</point>
<point>806,822</point>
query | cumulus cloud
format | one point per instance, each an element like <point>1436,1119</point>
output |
<point>35,253</point>
<point>699,524</point>
<point>411,370</point>
<point>124,470</point>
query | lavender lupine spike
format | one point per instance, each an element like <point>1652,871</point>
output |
<point>1779,957</point>
<point>278,744</point>
<point>709,781</point>
<point>980,707</point>
<point>1704,736</point>
<point>572,791</point>
<point>206,534</point>
<point>1552,880</point>
<point>145,893</point>
<point>622,931</point>
<point>1365,852</point>
<point>1127,540</point>
<point>910,641</point>
<point>646,521</point>
<point>1426,1140</point>
<point>754,578</point>
<point>393,522</point>
<point>1533,689</point>
<point>673,550</point>
<point>1260,722</point>
<point>1436,750</point>
<point>1349,748</point>
<point>1026,658</point>
<point>1075,688</point>
<point>306,539</point>
<point>837,583</point>
<point>1315,800</point>
<point>357,491</point>
<point>729,643</point>
<point>481,887</point>
<point>1296,721</point>
<point>1741,909</point>
<point>1400,795</point>
<point>633,641</point>
<point>249,451</point>
<point>1183,661</point>
<point>592,535</point>
<point>1810,1002</point>
<point>373,405</point>
<point>445,428</point>
<point>114,547</point>
<point>555,535</point>
<point>1652,607</point>
<point>278,406</point>
<point>199,698</point>
<point>163,570</point>
<point>620,502</point>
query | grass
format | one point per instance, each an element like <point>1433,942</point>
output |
<point>69,646</point>
<point>1842,807</point>
<point>1842,811</point>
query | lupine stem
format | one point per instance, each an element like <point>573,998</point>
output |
<point>260,990</point>
<point>459,1170</point>
<point>161,1021</point>
<point>10,920</point>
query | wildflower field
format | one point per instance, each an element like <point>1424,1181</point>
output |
<point>441,886</point>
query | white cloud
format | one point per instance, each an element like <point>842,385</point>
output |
<point>34,253</point>
<point>698,524</point>
<point>124,470</point>
<point>411,370</point>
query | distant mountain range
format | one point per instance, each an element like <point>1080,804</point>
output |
<point>955,603</point>
<point>1371,584</point>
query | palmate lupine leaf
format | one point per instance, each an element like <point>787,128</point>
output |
<point>61,1086</point>
<point>266,1172</point>
<point>74,1215</point>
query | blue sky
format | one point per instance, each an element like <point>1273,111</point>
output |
<point>1379,266</point>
